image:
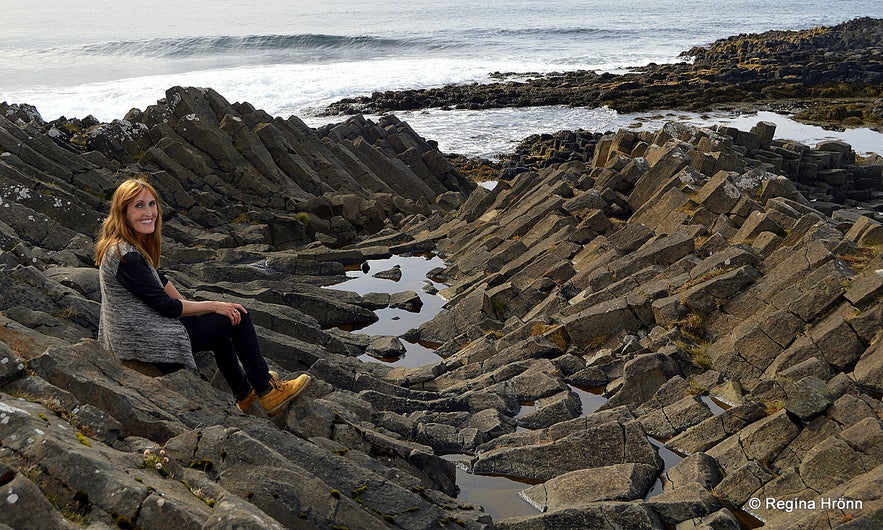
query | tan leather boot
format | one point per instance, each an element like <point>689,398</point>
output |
<point>247,402</point>
<point>282,392</point>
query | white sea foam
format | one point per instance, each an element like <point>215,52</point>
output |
<point>299,89</point>
<point>491,133</point>
<point>294,58</point>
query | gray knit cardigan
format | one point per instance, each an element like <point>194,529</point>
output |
<point>130,328</point>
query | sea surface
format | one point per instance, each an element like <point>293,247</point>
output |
<point>74,58</point>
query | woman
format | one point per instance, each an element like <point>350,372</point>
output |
<point>144,318</point>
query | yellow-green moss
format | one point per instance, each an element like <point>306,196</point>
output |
<point>356,493</point>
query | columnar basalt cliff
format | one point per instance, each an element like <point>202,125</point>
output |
<point>677,264</point>
<point>257,210</point>
<point>659,269</point>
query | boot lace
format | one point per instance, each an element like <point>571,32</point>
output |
<point>276,383</point>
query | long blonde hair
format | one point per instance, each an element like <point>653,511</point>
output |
<point>115,229</point>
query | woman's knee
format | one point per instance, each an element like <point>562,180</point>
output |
<point>245,319</point>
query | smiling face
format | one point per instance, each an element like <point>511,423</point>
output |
<point>142,213</point>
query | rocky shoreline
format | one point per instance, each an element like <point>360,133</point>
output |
<point>657,268</point>
<point>831,76</point>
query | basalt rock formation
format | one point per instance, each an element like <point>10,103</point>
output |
<point>660,270</point>
<point>832,74</point>
<point>676,264</point>
<point>257,210</point>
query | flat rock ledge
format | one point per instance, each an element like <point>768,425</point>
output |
<point>651,331</point>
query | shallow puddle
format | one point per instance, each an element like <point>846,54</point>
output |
<point>499,496</point>
<point>716,407</point>
<point>393,321</point>
<point>590,398</point>
<point>525,409</point>
<point>669,458</point>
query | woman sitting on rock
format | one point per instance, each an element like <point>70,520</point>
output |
<point>145,319</point>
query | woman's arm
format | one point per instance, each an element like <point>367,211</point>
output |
<point>135,274</point>
<point>139,278</point>
<point>171,290</point>
<point>190,308</point>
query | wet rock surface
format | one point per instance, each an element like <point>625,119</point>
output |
<point>655,267</point>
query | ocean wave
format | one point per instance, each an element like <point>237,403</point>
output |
<point>555,32</point>
<point>333,45</point>
<point>228,44</point>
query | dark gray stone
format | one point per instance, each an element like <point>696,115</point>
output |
<point>613,515</point>
<point>620,482</point>
<point>684,503</point>
<point>407,300</point>
<point>394,274</point>
<point>603,445</point>
<point>808,398</point>
<point>642,377</point>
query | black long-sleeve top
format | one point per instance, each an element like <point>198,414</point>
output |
<point>134,273</point>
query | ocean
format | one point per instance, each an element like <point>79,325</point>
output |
<point>102,58</point>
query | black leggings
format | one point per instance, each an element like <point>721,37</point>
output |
<point>231,345</point>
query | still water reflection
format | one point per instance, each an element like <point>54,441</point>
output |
<point>499,496</point>
<point>396,322</point>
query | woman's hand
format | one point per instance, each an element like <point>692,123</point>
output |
<point>230,310</point>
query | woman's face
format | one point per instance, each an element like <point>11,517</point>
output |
<point>142,212</point>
